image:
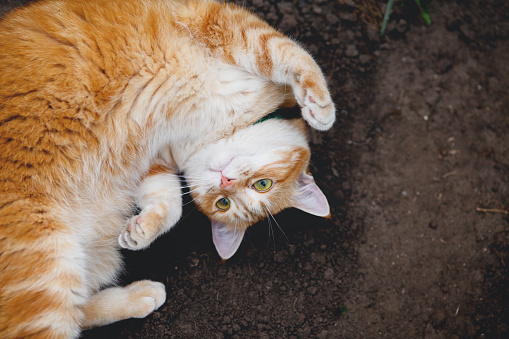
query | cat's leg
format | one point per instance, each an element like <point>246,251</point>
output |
<point>160,200</point>
<point>42,273</point>
<point>241,39</point>
<point>136,300</point>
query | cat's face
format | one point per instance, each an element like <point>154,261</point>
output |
<point>257,172</point>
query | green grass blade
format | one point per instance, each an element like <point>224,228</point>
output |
<point>386,17</point>
<point>426,17</point>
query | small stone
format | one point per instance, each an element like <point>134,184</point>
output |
<point>331,19</point>
<point>351,51</point>
<point>312,290</point>
<point>258,3</point>
<point>329,274</point>
<point>280,256</point>
<point>317,9</point>
<point>348,17</point>
<point>285,7</point>
<point>288,22</point>
<point>401,26</point>
<point>364,59</point>
<point>305,9</point>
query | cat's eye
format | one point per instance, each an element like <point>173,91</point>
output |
<point>263,185</point>
<point>223,204</point>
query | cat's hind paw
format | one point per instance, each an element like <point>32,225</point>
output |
<point>141,230</point>
<point>145,296</point>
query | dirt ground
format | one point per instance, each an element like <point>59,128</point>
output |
<point>416,172</point>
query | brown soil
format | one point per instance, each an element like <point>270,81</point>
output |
<point>421,145</point>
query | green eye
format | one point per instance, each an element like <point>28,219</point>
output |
<point>262,185</point>
<point>223,204</point>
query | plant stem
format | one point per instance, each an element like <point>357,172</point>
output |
<point>386,17</point>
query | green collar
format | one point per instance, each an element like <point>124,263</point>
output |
<point>281,113</point>
<point>274,115</point>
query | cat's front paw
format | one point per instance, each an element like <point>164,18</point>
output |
<point>141,230</point>
<point>314,98</point>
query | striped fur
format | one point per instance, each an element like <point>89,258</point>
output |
<point>91,93</point>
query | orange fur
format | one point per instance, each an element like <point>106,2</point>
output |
<point>90,92</point>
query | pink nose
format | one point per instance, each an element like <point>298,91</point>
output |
<point>225,182</point>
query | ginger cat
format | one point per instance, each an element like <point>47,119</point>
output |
<point>236,181</point>
<point>94,96</point>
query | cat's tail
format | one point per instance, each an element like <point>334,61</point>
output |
<point>41,285</point>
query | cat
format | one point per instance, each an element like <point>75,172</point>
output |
<point>236,181</point>
<point>94,96</point>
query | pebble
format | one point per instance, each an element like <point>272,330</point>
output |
<point>364,59</point>
<point>401,26</point>
<point>324,334</point>
<point>258,3</point>
<point>348,17</point>
<point>285,7</point>
<point>305,9</point>
<point>317,9</point>
<point>351,51</point>
<point>331,18</point>
<point>329,274</point>
<point>280,256</point>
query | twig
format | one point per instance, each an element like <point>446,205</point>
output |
<point>446,175</point>
<point>491,210</point>
<point>499,256</point>
<point>191,281</point>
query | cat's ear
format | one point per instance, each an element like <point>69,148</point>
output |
<point>227,241</point>
<point>309,197</point>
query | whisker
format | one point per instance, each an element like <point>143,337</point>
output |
<point>201,196</point>
<point>280,228</point>
<point>271,232</point>
<point>271,229</point>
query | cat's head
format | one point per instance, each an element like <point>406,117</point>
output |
<point>258,171</point>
